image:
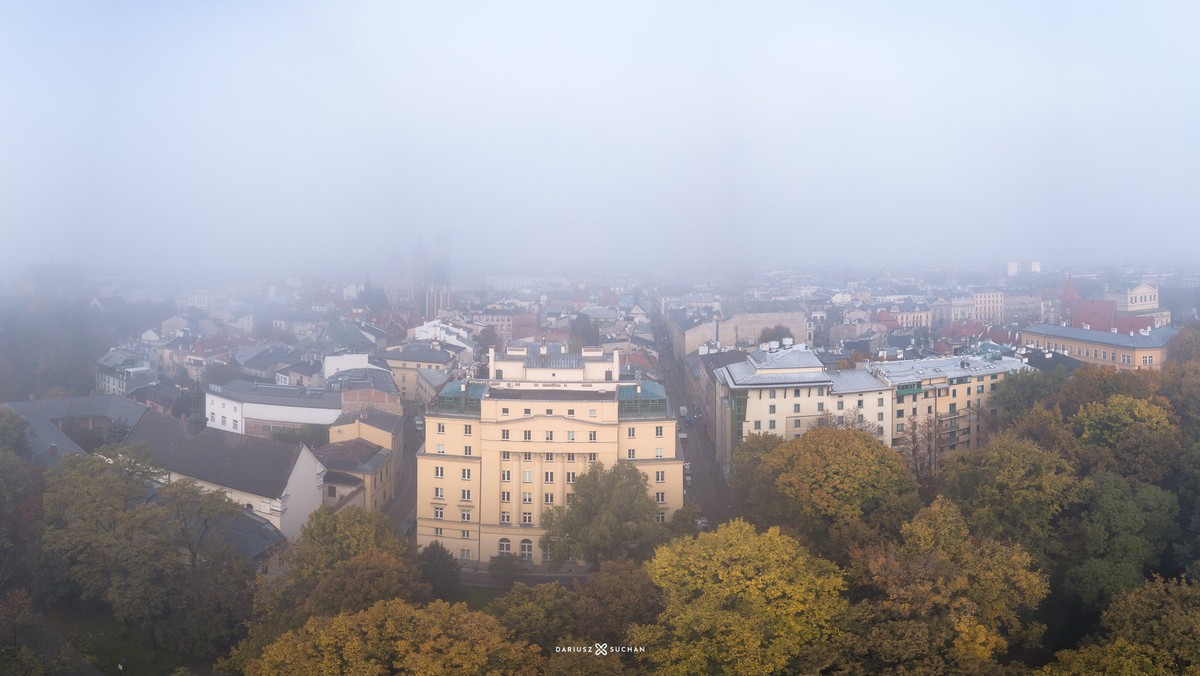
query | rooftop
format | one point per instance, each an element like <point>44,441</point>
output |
<point>912,370</point>
<point>1158,338</point>
<point>355,455</point>
<point>278,395</point>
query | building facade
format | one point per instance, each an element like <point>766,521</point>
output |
<point>499,452</point>
<point>1145,349</point>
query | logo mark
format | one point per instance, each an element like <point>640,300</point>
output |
<point>601,648</point>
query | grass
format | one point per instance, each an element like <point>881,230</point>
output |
<point>105,643</point>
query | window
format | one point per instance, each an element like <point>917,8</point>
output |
<point>528,457</point>
<point>212,417</point>
<point>658,452</point>
<point>439,472</point>
<point>505,496</point>
<point>504,435</point>
<point>505,475</point>
<point>467,430</point>
<point>1147,360</point>
<point>660,497</point>
<point>549,436</point>
<point>466,450</point>
<point>795,423</point>
<point>527,518</point>
<point>631,432</point>
<point>660,477</point>
<point>548,498</point>
<point>465,516</point>
<point>527,549</point>
<point>549,477</point>
<point>771,395</point>
<point>235,424</point>
<point>441,449</point>
<point>549,411</point>
<point>570,457</point>
<point>438,512</point>
<point>658,430</point>
<point>770,424</point>
<point>758,424</point>
<point>466,474</point>
<point>631,453</point>
<point>549,457</point>
<point>466,535</point>
<point>333,492</point>
<point>661,517</point>
<point>527,476</point>
<point>899,427</point>
<point>437,493</point>
<point>505,545</point>
<point>528,411</point>
<point>591,413</point>
<point>591,436</point>
<point>841,406</point>
<point>570,477</point>
<point>860,403</point>
<point>222,421</point>
<point>879,402</point>
<point>979,389</point>
<point>591,457</point>
<point>437,530</point>
<point>570,413</point>
<point>820,406</point>
<point>900,413</point>
<point>795,408</point>
<point>504,411</point>
<point>506,517</point>
<point>464,554</point>
<point>527,435</point>
<point>879,417</point>
<point>571,436</point>
<point>504,455</point>
<point>441,428</point>
<point>527,498</point>
<point>771,408</point>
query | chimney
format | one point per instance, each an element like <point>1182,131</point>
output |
<point>54,450</point>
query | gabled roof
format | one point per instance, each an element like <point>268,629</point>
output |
<point>785,358</point>
<point>371,417</point>
<point>41,415</point>
<point>236,461</point>
<point>1158,337</point>
<point>355,455</point>
<point>419,352</point>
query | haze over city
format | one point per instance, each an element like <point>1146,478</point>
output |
<point>296,136</point>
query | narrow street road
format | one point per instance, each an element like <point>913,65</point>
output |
<point>404,506</point>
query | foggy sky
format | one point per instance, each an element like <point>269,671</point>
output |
<point>323,134</point>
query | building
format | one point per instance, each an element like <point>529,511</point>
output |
<point>277,481</point>
<point>948,392</point>
<point>120,372</point>
<point>377,427</point>
<point>499,451</point>
<point>259,410</point>
<point>989,307</point>
<point>371,467</point>
<point>404,362</point>
<point>56,424</point>
<point>1140,349</point>
<point>784,389</point>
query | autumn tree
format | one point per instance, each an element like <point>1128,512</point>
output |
<point>395,637</point>
<point>846,486</point>
<point>1013,491</point>
<point>761,602</point>
<point>12,433</point>
<point>542,615</point>
<point>1090,383</point>
<point>921,450</point>
<point>1046,428</point>
<point>1020,391</point>
<point>1180,385</point>
<point>611,517</point>
<point>942,600</point>
<point>777,332</point>
<point>1186,345</point>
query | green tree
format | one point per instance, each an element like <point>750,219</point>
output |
<point>1186,345</point>
<point>1125,528</point>
<point>752,490</point>
<point>217,373</point>
<point>488,338</point>
<point>1136,438</point>
<point>504,569</point>
<point>611,517</point>
<point>1013,491</point>
<point>760,602</point>
<point>942,600</point>
<point>441,571</point>
<point>1020,391</point>
<point>847,486</point>
<point>777,332</point>
<point>360,582</point>
<point>313,436</point>
<point>1112,657</point>
<point>1181,387</point>
<point>12,433</point>
<point>1090,383</point>
<point>542,615</point>
<point>583,332</point>
<point>1046,428</point>
<point>395,637</point>
<point>613,599</point>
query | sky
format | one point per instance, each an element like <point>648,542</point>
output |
<point>530,136</point>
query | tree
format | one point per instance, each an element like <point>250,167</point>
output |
<point>218,373</point>
<point>441,571</point>
<point>504,569</point>
<point>542,615</point>
<point>1013,491</point>
<point>777,332</point>
<point>1136,438</point>
<point>919,446</point>
<point>488,338</point>
<point>1186,345</point>
<point>1125,528</point>
<point>583,332</point>
<point>760,601</point>
<point>752,490</point>
<point>613,599</point>
<point>395,637</point>
<point>843,482</point>
<point>611,517</point>
<point>942,600</point>
<point>1181,387</point>
<point>1046,428</point>
<point>12,433</point>
<point>358,583</point>
<point>1020,391</point>
<point>1090,383</point>
<point>331,537</point>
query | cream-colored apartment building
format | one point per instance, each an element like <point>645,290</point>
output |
<point>950,392</point>
<point>499,452</point>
